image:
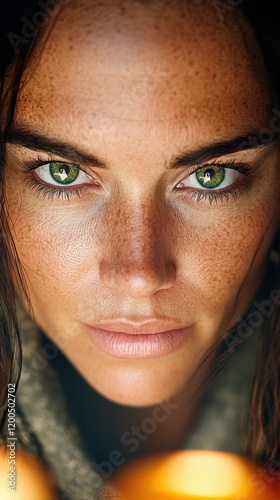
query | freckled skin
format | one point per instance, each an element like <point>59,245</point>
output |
<point>135,87</point>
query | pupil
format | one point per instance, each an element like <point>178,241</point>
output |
<point>64,169</point>
<point>209,173</point>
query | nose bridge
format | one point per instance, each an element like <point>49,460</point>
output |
<point>139,228</point>
<point>137,259</point>
<point>136,233</point>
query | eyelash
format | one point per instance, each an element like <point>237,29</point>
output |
<point>198,195</point>
<point>222,194</point>
<point>217,196</point>
<point>47,190</point>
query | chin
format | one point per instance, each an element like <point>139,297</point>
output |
<point>135,388</point>
<point>139,400</point>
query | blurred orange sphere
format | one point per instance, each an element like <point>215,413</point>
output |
<point>194,475</point>
<point>22,477</point>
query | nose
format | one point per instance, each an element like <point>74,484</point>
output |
<point>136,260</point>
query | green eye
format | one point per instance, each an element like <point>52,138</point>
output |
<point>210,176</point>
<point>64,173</point>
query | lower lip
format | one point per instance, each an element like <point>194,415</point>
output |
<point>124,345</point>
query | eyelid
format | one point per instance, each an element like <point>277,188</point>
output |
<point>30,165</point>
<point>218,195</point>
<point>33,164</point>
<point>243,168</point>
<point>56,190</point>
<point>67,191</point>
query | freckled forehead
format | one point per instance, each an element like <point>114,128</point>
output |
<point>171,61</point>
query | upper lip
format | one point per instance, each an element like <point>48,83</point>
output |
<point>139,327</point>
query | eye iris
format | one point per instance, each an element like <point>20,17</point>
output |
<point>64,173</point>
<point>210,176</point>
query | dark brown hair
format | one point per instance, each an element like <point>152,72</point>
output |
<point>15,52</point>
<point>263,429</point>
<point>10,346</point>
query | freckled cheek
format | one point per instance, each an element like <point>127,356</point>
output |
<point>56,243</point>
<point>73,238</point>
<point>221,252</point>
<point>62,243</point>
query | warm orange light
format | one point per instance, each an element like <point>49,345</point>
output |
<point>32,481</point>
<point>195,475</point>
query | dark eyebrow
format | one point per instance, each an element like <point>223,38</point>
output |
<point>222,148</point>
<point>36,142</point>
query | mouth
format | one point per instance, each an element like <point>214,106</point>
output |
<point>134,339</point>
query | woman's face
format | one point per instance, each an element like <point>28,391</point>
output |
<point>140,221</point>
